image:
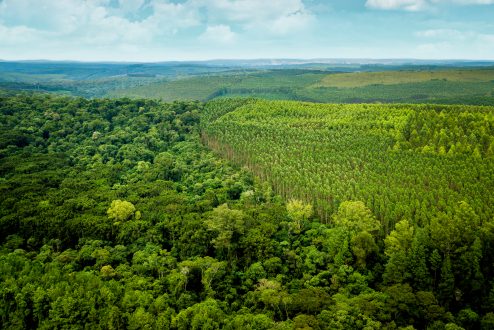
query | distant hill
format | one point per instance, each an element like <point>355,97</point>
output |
<point>438,85</point>
<point>316,80</point>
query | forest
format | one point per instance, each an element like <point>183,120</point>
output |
<point>402,84</point>
<point>392,81</point>
<point>244,214</point>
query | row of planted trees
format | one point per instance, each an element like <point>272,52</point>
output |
<point>326,154</point>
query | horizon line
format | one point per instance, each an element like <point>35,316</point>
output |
<point>315,60</point>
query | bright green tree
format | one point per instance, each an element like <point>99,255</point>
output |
<point>298,211</point>
<point>356,217</point>
<point>121,210</point>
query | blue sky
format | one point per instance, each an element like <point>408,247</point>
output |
<point>159,30</point>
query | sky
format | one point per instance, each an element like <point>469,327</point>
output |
<point>163,30</point>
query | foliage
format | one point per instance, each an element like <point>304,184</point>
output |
<point>114,216</point>
<point>121,210</point>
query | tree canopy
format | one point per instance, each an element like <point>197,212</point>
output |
<point>114,214</point>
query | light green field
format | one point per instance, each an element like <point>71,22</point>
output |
<point>360,79</point>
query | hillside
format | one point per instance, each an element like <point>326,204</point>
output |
<point>326,82</point>
<point>398,159</point>
<point>114,215</point>
<point>420,85</point>
<point>361,79</point>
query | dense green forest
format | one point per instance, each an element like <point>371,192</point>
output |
<point>115,215</point>
<point>408,161</point>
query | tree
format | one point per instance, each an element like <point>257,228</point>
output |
<point>396,270</point>
<point>400,302</point>
<point>226,223</point>
<point>274,296</point>
<point>120,210</point>
<point>397,248</point>
<point>449,232</point>
<point>447,284</point>
<point>356,217</point>
<point>107,271</point>
<point>209,268</point>
<point>250,322</point>
<point>206,315</point>
<point>141,319</point>
<point>363,245</point>
<point>421,277</point>
<point>298,211</point>
<point>400,239</point>
<point>468,319</point>
<point>487,322</point>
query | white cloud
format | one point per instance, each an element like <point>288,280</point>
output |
<point>19,34</point>
<point>170,18</point>
<point>47,15</point>
<point>130,6</point>
<point>451,35</point>
<point>409,5</point>
<point>146,20</point>
<point>418,5</point>
<point>218,34</point>
<point>29,26</point>
<point>293,22</point>
<point>443,33</point>
<point>55,28</point>
<point>273,16</point>
<point>439,43</point>
<point>474,2</point>
<point>254,10</point>
<point>176,29</point>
